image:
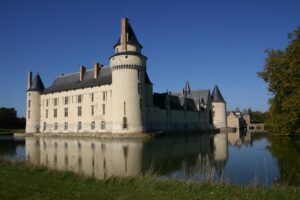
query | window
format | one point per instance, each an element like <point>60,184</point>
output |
<point>47,102</point>
<point>103,96</point>
<point>45,126</point>
<point>92,97</point>
<point>66,126</point>
<point>103,109</point>
<point>92,110</point>
<point>141,104</point>
<point>46,113</point>
<point>79,111</point>
<point>66,100</point>
<point>125,123</point>
<point>28,115</point>
<point>29,102</point>
<point>79,126</point>
<point>66,112</point>
<point>55,100</point>
<point>139,74</point>
<point>140,88</point>
<point>124,108</point>
<point>55,113</point>
<point>93,125</point>
<point>103,125</point>
<point>55,126</point>
<point>79,98</point>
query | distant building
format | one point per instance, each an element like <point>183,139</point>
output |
<point>242,121</point>
<point>119,98</point>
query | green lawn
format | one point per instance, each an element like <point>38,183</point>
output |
<point>11,131</point>
<point>20,181</point>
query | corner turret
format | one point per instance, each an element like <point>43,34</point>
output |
<point>34,90</point>
<point>219,109</point>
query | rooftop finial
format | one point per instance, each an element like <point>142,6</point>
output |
<point>187,88</point>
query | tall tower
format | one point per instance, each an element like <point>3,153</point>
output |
<point>219,109</point>
<point>128,68</point>
<point>33,107</point>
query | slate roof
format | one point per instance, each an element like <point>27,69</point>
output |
<point>37,84</point>
<point>217,96</point>
<point>245,112</point>
<point>178,102</point>
<point>132,39</point>
<point>71,81</point>
<point>201,95</point>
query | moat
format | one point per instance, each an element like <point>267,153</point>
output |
<point>238,158</point>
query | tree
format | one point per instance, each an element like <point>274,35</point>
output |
<point>9,119</point>
<point>282,73</point>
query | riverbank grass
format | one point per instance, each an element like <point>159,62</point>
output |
<point>21,181</point>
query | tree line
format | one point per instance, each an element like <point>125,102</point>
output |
<point>282,74</point>
<point>9,119</point>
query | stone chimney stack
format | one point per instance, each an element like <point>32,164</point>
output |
<point>124,34</point>
<point>82,72</point>
<point>97,69</point>
<point>29,80</point>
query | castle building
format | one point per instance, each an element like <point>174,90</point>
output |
<point>118,98</point>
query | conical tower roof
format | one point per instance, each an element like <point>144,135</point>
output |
<point>187,88</point>
<point>37,84</point>
<point>217,96</point>
<point>132,39</point>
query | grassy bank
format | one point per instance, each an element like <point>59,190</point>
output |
<point>19,181</point>
<point>11,131</point>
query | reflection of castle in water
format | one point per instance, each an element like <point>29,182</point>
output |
<point>240,138</point>
<point>105,158</point>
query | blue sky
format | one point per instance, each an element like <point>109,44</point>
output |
<point>205,42</point>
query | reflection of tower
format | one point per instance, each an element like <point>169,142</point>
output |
<point>125,151</point>
<point>220,151</point>
<point>219,109</point>
<point>34,89</point>
<point>33,150</point>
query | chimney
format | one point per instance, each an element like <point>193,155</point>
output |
<point>124,34</point>
<point>82,71</point>
<point>29,80</point>
<point>97,69</point>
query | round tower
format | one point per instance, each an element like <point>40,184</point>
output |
<point>128,68</point>
<point>33,104</point>
<point>219,109</point>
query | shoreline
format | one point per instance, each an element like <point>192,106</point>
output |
<point>123,135</point>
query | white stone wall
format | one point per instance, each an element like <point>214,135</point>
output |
<point>33,112</point>
<point>101,118</point>
<point>128,85</point>
<point>220,115</point>
<point>233,121</point>
<point>176,120</point>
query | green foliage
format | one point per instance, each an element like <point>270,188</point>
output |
<point>257,116</point>
<point>9,119</point>
<point>282,73</point>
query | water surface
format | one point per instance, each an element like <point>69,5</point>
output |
<point>232,157</point>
